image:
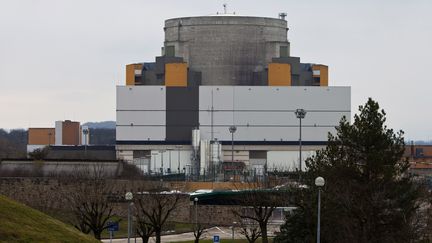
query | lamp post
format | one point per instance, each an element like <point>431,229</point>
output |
<point>232,130</point>
<point>319,182</point>
<point>233,227</point>
<point>85,133</point>
<point>300,114</point>
<point>196,213</point>
<point>129,197</point>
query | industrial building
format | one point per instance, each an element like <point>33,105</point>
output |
<point>221,100</point>
<point>65,133</point>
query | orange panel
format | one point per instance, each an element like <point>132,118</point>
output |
<point>323,73</point>
<point>41,136</point>
<point>279,74</point>
<point>176,75</point>
<point>130,73</point>
<point>71,133</point>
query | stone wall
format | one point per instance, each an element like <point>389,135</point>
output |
<point>46,194</point>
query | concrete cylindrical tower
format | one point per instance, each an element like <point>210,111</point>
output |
<point>227,49</point>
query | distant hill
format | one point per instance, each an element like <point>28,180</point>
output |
<point>13,143</point>
<point>101,125</point>
<point>20,223</point>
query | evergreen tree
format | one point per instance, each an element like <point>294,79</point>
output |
<point>368,195</point>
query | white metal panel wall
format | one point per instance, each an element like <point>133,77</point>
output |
<point>141,118</point>
<point>287,160</point>
<point>141,113</point>
<point>182,158</point>
<point>143,97</point>
<point>267,113</point>
<point>140,133</point>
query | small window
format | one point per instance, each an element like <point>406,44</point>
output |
<point>170,51</point>
<point>283,51</point>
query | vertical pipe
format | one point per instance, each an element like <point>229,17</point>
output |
<point>154,166</point>
<point>178,168</point>
<point>162,162</point>
<point>169,169</point>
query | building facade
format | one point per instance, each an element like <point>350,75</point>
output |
<point>65,133</point>
<point>222,99</point>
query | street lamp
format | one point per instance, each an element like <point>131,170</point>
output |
<point>319,182</point>
<point>129,197</point>
<point>232,130</point>
<point>300,114</point>
<point>233,227</point>
<point>196,213</point>
<point>85,133</point>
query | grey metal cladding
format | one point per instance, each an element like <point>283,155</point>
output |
<point>267,113</point>
<point>293,61</point>
<point>140,113</point>
<point>181,112</point>
<point>306,78</point>
<point>140,98</point>
<point>194,78</point>
<point>161,61</point>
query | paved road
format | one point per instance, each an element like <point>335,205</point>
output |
<point>223,232</point>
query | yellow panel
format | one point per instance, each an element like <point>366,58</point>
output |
<point>323,74</point>
<point>130,73</point>
<point>176,75</point>
<point>279,74</point>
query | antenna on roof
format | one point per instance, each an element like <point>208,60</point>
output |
<point>282,15</point>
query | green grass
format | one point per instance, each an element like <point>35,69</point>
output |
<point>20,223</point>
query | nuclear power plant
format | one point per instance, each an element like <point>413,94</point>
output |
<point>226,98</point>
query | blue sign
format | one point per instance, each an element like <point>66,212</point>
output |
<point>216,239</point>
<point>113,226</point>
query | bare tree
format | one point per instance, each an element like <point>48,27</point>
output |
<point>87,197</point>
<point>258,206</point>
<point>143,227</point>
<point>155,207</point>
<point>251,231</point>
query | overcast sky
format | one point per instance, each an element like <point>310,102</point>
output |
<point>62,59</point>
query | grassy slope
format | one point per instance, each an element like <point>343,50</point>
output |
<point>19,223</point>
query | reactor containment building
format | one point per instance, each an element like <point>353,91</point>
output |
<point>221,100</point>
